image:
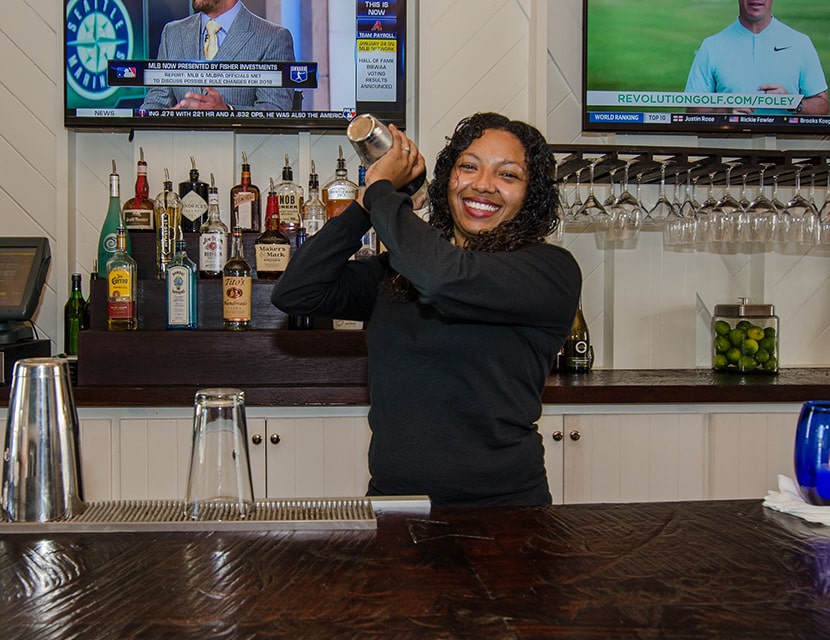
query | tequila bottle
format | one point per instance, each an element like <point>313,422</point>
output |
<point>122,277</point>
<point>112,221</point>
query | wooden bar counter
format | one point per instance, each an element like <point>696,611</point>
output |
<point>728,569</point>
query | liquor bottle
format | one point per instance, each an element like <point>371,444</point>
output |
<point>340,192</point>
<point>314,212</point>
<point>181,307</point>
<point>138,210</point>
<point>245,201</point>
<point>93,276</point>
<point>168,208</point>
<point>236,287</point>
<point>74,317</point>
<point>301,322</point>
<point>194,195</point>
<point>122,280</point>
<point>290,197</point>
<point>577,346</point>
<point>213,238</point>
<point>272,247</point>
<point>107,240</point>
<point>369,242</point>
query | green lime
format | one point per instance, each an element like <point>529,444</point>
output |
<point>733,355</point>
<point>769,332</point>
<point>768,345</point>
<point>747,363</point>
<point>756,333</point>
<point>743,324</point>
<point>720,361</point>
<point>722,344</point>
<point>737,337</point>
<point>722,327</point>
<point>771,364</point>
<point>762,356</point>
<point>749,347</point>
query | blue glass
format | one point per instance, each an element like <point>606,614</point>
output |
<point>812,452</point>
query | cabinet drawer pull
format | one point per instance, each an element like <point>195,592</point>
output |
<point>275,438</point>
<point>558,435</point>
<point>575,435</point>
<point>256,438</point>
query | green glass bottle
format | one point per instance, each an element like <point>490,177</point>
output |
<point>113,220</point>
<point>74,317</point>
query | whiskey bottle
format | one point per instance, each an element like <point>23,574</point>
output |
<point>245,201</point>
<point>236,287</point>
<point>213,238</point>
<point>121,273</point>
<point>107,239</point>
<point>181,302</point>
<point>340,192</point>
<point>74,317</point>
<point>290,196</point>
<point>272,247</point>
<point>168,208</point>
<point>314,212</point>
<point>577,348</point>
<point>300,322</point>
<point>138,210</point>
<point>194,195</point>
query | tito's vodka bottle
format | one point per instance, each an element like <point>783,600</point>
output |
<point>340,192</point>
<point>272,247</point>
<point>122,283</point>
<point>245,201</point>
<point>236,287</point>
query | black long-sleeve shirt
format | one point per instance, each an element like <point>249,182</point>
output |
<point>455,377</point>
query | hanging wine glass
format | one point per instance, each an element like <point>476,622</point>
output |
<point>726,213</point>
<point>621,221</point>
<point>800,218</point>
<point>576,203</point>
<point>703,214</point>
<point>663,208</point>
<point>592,207</point>
<point>762,216</point>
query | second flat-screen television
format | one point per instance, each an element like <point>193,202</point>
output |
<point>343,57</point>
<point>706,66</point>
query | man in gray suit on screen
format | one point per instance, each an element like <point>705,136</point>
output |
<point>223,30</point>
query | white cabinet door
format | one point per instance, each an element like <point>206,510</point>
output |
<point>551,428</point>
<point>634,457</point>
<point>317,457</point>
<point>748,451</point>
<point>154,458</point>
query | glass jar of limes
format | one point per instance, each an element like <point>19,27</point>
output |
<point>745,338</point>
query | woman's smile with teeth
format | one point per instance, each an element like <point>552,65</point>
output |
<point>478,206</point>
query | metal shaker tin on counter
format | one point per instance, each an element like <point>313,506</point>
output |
<point>745,338</point>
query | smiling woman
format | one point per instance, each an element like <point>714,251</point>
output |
<point>465,312</point>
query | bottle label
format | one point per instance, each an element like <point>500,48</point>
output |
<point>313,225</point>
<point>272,258</point>
<point>341,192</point>
<point>243,202</point>
<point>120,302</point>
<point>290,208</point>
<point>166,236</point>
<point>193,206</point>
<point>213,251</point>
<point>347,325</point>
<point>138,218</point>
<point>236,298</point>
<point>178,296</point>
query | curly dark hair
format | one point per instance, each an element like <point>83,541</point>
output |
<point>538,216</point>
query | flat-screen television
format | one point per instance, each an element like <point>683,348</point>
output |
<point>280,64</point>
<point>700,67</point>
<point>24,264</point>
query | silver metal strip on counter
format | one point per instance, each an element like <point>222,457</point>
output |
<point>169,516</point>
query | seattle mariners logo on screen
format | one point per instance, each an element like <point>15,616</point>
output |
<point>96,31</point>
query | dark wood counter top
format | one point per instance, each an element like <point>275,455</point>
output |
<point>662,386</point>
<point>731,570</point>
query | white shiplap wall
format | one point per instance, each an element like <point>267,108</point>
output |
<point>646,307</point>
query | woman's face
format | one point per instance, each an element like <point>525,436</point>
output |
<point>488,184</point>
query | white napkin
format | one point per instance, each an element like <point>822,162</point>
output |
<point>788,500</point>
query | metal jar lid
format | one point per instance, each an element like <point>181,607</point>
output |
<point>744,310</point>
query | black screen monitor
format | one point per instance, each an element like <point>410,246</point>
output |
<point>122,73</point>
<point>677,66</point>
<point>24,263</point>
